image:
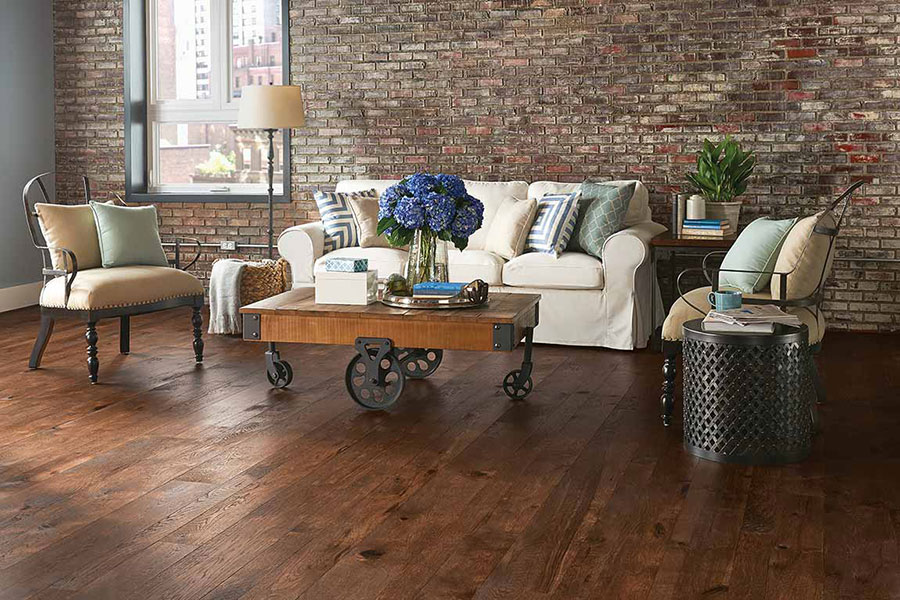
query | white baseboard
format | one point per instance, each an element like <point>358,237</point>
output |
<point>20,296</point>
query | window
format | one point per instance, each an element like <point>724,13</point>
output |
<point>186,61</point>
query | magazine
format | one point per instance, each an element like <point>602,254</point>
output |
<point>760,318</point>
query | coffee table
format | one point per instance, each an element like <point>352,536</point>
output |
<point>393,344</point>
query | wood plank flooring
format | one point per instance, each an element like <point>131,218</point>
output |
<point>170,481</point>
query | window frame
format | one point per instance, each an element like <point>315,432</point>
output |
<point>138,111</point>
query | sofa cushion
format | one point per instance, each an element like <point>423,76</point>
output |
<point>638,208</point>
<point>470,265</point>
<point>510,228</point>
<point>386,261</point>
<point>571,271</point>
<point>804,255</point>
<point>73,228</point>
<point>681,312</point>
<point>340,226</point>
<point>492,194</point>
<point>553,224</point>
<point>120,286</point>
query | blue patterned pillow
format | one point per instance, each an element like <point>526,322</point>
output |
<point>553,224</point>
<point>337,218</point>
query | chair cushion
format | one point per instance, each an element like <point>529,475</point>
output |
<point>510,227</point>
<point>386,261</point>
<point>120,286</point>
<point>570,271</point>
<point>553,224</point>
<point>682,312</point>
<point>470,265</point>
<point>71,227</point>
<point>337,218</point>
<point>804,255</point>
<point>601,213</point>
<point>129,235</point>
<point>755,249</point>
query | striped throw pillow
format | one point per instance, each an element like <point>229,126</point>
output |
<point>337,218</point>
<point>553,224</point>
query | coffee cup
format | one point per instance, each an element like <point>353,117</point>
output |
<point>725,300</point>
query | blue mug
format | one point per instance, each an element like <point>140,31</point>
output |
<point>725,300</point>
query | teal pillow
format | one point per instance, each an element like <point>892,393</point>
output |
<point>601,213</point>
<point>128,235</point>
<point>755,249</point>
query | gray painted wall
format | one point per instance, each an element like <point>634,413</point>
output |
<point>26,126</point>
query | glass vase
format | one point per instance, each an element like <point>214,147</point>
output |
<point>427,259</point>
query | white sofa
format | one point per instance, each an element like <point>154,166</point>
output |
<point>584,301</point>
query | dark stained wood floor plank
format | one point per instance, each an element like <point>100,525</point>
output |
<point>168,481</point>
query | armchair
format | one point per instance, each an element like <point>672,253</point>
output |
<point>76,285</point>
<point>797,286</point>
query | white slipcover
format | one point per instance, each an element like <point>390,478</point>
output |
<point>571,271</point>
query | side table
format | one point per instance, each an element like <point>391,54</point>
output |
<point>671,247</point>
<point>748,398</point>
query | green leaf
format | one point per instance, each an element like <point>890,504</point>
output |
<point>460,242</point>
<point>385,223</point>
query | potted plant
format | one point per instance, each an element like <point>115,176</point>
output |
<point>426,211</point>
<point>722,173</point>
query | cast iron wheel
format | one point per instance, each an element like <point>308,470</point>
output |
<point>378,394</point>
<point>512,390</point>
<point>282,376</point>
<point>418,363</point>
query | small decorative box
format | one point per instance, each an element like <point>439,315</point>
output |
<point>339,287</point>
<point>347,265</point>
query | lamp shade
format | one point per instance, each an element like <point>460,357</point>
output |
<point>270,107</point>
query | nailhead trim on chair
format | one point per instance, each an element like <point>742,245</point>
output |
<point>121,305</point>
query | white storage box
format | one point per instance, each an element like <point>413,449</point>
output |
<point>347,288</point>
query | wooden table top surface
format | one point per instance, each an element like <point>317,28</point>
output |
<point>667,239</point>
<point>501,308</point>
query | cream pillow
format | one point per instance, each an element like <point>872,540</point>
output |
<point>365,213</point>
<point>506,237</point>
<point>803,256</point>
<point>71,227</point>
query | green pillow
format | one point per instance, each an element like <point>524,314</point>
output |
<point>755,249</point>
<point>128,235</point>
<point>601,213</point>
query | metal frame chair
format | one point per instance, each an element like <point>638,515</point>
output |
<point>811,303</point>
<point>91,317</point>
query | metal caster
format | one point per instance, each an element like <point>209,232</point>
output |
<point>517,386</point>
<point>418,363</point>
<point>374,377</point>
<point>278,372</point>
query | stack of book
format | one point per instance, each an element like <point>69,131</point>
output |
<point>705,228</point>
<point>436,289</point>
<point>748,319</point>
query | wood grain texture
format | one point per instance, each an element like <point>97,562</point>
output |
<point>180,482</point>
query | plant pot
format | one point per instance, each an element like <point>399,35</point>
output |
<point>729,211</point>
<point>427,259</point>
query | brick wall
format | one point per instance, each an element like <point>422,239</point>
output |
<point>561,89</point>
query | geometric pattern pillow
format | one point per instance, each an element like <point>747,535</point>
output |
<point>602,213</point>
<point>553,224</point>
<point>337,218</point>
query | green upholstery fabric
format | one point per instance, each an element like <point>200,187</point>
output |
<point>128,235</point>
<point>601,213</point>
<point>755,249</point>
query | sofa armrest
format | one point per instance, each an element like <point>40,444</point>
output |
<point>301,246</point>
<point>626,251</point>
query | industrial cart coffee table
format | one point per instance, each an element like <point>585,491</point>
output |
<point>392,344</point>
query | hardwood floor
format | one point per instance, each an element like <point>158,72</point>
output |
<point>170,481</point>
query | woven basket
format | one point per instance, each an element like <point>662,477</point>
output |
<point>263,279</point>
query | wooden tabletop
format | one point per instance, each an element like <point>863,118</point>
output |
<point>501,308</point>
<point>667,239</point>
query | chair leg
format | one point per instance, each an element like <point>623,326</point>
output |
<point>670,353</point>
<point>93,363</point>
<point>197,322</point>
<point>124,334</point>
<point>40,344</point>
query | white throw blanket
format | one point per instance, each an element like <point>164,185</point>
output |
<point>225,296</point>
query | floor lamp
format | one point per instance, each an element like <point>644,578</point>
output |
<point>270,108</point>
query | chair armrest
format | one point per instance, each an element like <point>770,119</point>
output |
<point>626,251</point>
<point>301,246</point>
<point>177,242</point>
<point>68,255</point>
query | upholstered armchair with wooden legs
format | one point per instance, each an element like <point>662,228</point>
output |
<point>76,285</point>
<point>797,286</point>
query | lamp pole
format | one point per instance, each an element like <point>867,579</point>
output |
<point>270,231</point>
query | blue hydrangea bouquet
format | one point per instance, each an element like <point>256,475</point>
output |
<point>425,211</point>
